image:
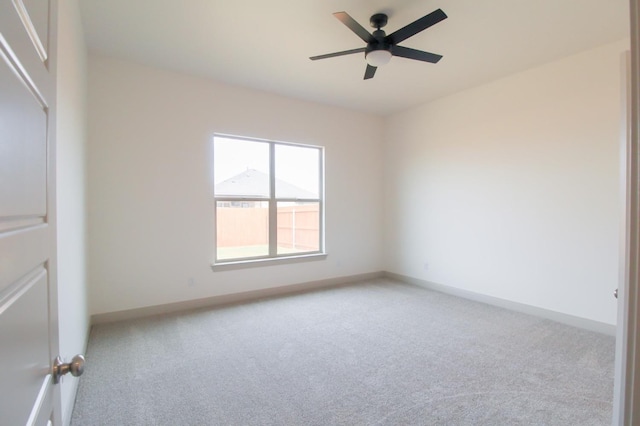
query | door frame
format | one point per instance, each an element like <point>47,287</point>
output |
<point>626,408</point>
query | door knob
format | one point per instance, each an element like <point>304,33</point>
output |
<point>615,293</point>
<point>75,367</point>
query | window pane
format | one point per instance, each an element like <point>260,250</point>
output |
<point>298,227</point>
<point>297,172</point>
<point>241,168</point>
<point>242,229</point>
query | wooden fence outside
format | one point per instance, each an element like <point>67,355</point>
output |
<point>298,227</point>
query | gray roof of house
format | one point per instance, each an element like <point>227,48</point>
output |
<point>255,184</point>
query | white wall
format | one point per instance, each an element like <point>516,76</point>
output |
<point>71,140</point>
<point>511,189</point>
<point>150,207</point>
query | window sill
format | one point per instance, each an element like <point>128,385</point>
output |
<point>253,263</point>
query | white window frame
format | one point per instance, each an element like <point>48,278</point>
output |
<point>272,201</point>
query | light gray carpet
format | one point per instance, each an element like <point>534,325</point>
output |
<point>376,353</point>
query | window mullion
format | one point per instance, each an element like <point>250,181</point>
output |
<point>273,205</point>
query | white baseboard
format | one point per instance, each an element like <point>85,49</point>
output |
<point>228,299</point>
<point>571,320</point>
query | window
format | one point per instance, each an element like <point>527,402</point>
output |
<point>268,199</point>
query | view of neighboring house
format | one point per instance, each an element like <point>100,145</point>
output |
<point>255,184</point>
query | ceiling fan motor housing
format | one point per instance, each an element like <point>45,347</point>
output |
<point>378,42</point>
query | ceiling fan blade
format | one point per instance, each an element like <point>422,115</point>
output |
<point>346,19</point>
<point>344,52</point>
<point>369,72</point>
<point>416,26</point>
<point>418,55</point>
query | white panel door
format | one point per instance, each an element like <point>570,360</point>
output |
<point>28,294</point>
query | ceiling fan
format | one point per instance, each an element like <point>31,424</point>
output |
<point>381,47</point>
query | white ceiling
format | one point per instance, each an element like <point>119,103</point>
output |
<point>266,44</point>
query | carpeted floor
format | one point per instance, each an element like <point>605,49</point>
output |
<point>376,353</point>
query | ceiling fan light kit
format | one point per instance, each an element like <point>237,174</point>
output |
<point>381,47</point>
<point>377,58</point>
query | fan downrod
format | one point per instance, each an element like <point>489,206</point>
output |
<point>378,20</point>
